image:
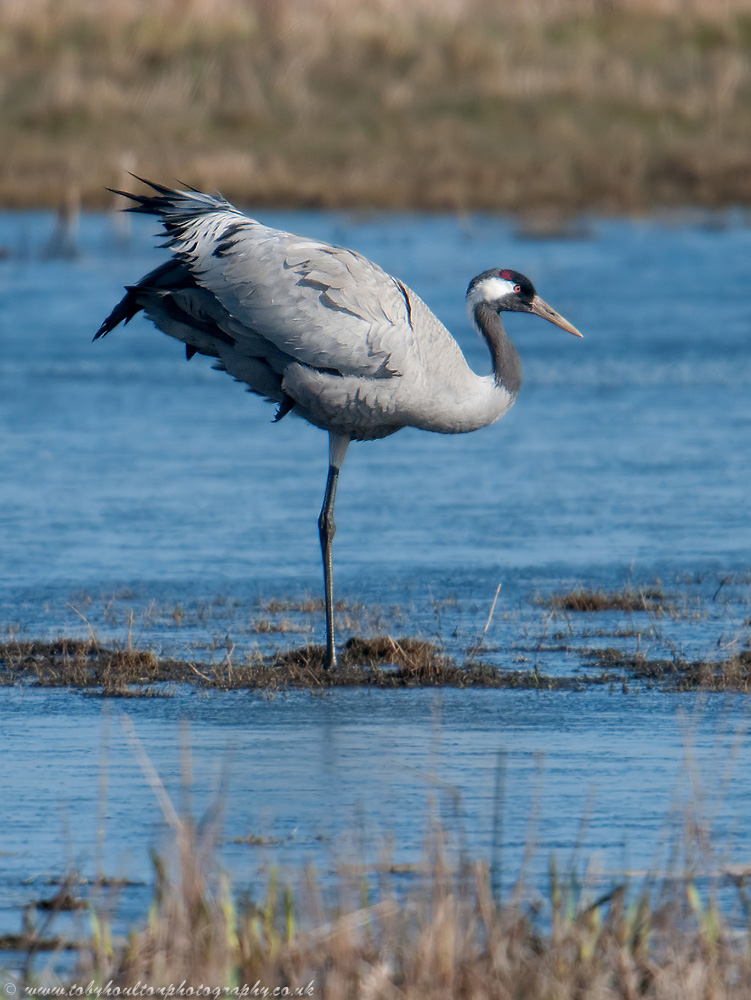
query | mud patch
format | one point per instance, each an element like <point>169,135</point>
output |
<point>23,943</point>
<point>62,902</point>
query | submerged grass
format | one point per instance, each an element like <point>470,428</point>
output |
<point>550,108</point>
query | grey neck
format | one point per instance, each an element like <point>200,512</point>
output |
<point>507,365</point>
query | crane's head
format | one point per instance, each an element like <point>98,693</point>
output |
<point>501,289</point>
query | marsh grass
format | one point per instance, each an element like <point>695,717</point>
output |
<point>446,935</point>
<point>544,109</point>
<point>84,663</point>
<point>380,661</point>
<point>730,674</point>
<point>650,599</point>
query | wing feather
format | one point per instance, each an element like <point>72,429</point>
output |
<point>321,305</point>
<point>307,324</point>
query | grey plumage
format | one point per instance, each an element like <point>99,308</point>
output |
<point>322,332</point>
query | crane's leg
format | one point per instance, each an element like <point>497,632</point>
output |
<point>327,530</point>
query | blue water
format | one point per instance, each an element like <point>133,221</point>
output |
<point>145,497</point>
<point>129,473</point>
<point>605,782</point>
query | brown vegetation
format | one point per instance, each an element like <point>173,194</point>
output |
<point>376,662</point>
<point>730,674</point>
<point>556,105</point>
<point>597,600</point>
<point>381,662</point>
<point>86,664</point>
<point>448,937</point>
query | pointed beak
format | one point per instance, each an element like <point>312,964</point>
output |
<point>541,308</point>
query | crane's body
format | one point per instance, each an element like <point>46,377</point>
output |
<point>323,332</point>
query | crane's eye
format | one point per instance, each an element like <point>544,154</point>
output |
<point>517,288</point>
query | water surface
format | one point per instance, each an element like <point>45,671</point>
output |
<point>148,498</point>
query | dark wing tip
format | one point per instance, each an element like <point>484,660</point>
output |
<point>149,204</point>
<point>108,325</point>
<point>123,312</point>
<point>159,188</point>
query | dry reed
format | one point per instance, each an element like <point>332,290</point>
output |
<point>557,104</point>
<point>447,937</point>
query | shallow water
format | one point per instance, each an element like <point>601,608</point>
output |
<point>605,782</point>
<point>129,473</point>
<point>148,498</point>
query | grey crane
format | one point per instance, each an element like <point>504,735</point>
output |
<point>323,332</point>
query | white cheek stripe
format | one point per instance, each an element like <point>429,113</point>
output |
<point>489,290</point>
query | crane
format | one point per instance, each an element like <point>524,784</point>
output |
<point>323,332</point>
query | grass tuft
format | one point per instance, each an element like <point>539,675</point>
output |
<point>624,600</point>
<point>730,674</point>
<point>85,664</point>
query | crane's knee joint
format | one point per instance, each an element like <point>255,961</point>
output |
<point>326,527</point>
